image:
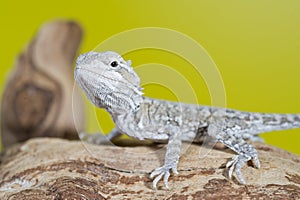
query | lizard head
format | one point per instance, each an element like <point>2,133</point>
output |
<point>108,81</point>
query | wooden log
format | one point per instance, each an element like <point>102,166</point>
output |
<point>38,97</point>
<point>50,168</point>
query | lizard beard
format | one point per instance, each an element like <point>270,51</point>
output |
<point>119,102</point>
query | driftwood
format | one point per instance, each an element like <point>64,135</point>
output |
<point>60,169</point>
<point>37,100</point>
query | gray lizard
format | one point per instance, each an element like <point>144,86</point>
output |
<point>111,83</point>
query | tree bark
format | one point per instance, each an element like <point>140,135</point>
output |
<point>61,169</point>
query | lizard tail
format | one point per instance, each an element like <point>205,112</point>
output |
<point>274,122</point>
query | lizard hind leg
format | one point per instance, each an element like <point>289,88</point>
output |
<point>253,138</point>
<point>231,137</point>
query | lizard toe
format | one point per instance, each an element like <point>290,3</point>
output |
<point>236,165</point>
<point>162,172</point>
<point>256,162</point>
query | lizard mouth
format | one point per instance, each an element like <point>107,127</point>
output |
<point>93,73</point>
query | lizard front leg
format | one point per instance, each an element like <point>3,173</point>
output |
<point>171,158</point>
<point>98,138</point>
<point>230,135</point>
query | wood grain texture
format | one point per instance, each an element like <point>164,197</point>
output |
<point>60,169</point>
<point>38,98</point>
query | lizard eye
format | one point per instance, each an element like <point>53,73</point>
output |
<point>114,64</point>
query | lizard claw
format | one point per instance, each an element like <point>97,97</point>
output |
<point>164,172</point>
<point>256,162</point>
<point>236,164</point>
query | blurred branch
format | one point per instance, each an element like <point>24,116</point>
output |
<point>37,100</point>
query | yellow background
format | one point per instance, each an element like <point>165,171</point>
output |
<point>255,44</point>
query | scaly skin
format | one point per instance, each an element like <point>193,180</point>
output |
<point>110,83</point>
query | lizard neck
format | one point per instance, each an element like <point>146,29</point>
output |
<point>119,103</point>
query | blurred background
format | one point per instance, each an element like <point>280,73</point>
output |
<point>255,45</point>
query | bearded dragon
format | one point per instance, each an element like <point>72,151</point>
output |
<point>110,82</point>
